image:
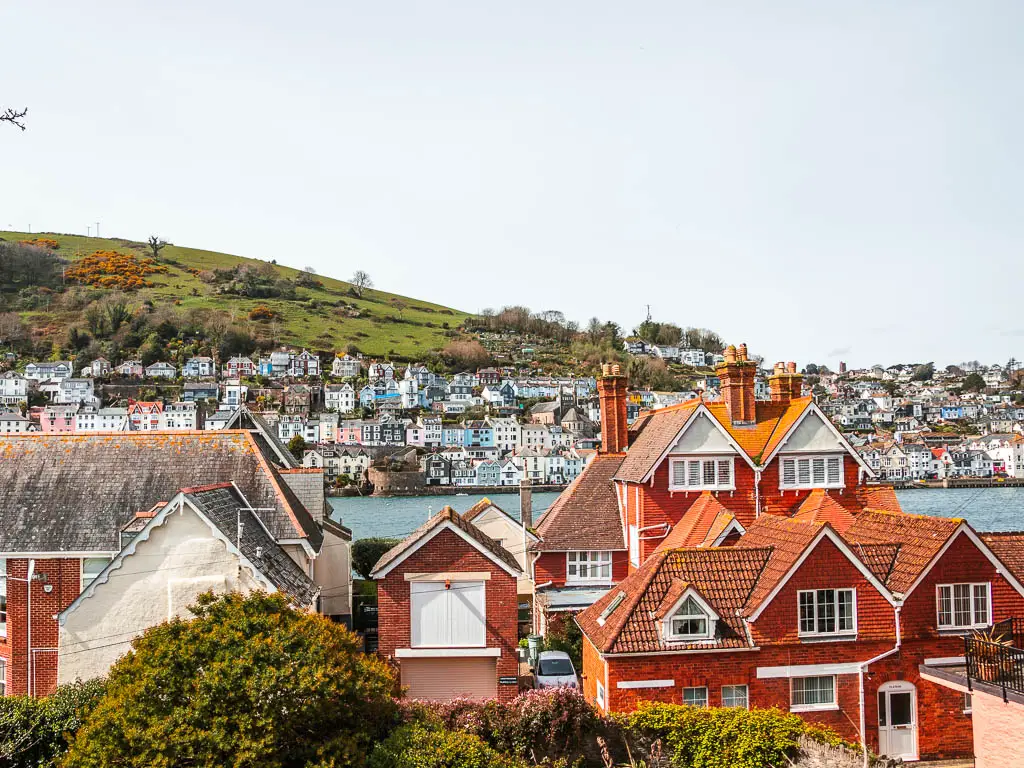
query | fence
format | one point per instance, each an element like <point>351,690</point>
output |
<point>996,663</point>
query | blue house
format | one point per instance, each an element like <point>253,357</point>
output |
<point>478,434</point>
<point>366,396</point>
<point>454,435</point>
<point>951,412</point>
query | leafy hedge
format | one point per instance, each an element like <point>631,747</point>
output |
<point>35,732</point>
<point>419,746</point>
<point>695,737</point>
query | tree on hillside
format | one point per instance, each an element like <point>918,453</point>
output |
<point>466,355</point>
<point>923,372</point>
<point>248,682</point>
<point>156,245</point>
<point>297,445</point>
<point>973,382</point>
<point>704,340</point>
<point>14,117</point>
<point>811,369</point>
<point>954,370</point>
<point>366,553</point>
<point>12,330</point>
<point>361,282</point>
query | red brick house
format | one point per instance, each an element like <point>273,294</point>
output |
<point>694,474</point>
<point>448,612</point>
<point>732,553</point>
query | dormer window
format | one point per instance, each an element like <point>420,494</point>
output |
<point>702,474</point>
<point>689,620</point>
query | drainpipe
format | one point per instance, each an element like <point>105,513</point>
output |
<point>666,526</point>
<point>860,684</point>
<point>757,493</point>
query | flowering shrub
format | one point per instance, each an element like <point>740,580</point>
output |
<point>418,746</point>
<point>42,242</point>
<point>543,724</point>
<point>111,269</point>
<point>262,313</point>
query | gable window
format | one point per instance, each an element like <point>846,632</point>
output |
<point>827,612</point>
<point>810,693</point>
<point>690,622</point>
<point>584,567</point>
<point>964,606</point>
<point>446,614</point>
<point>695,697</point>
<point>735,696</point>
<point>811,472</point>
<point>91,567</point>
<point>702,474</point>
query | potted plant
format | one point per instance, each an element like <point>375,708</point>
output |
<point>992,662</point>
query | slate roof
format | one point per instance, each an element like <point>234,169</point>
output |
<point>920,538</point>
<point>725,578</point>
<point>221,503</point>
<point>586,514</point>
<point>448,515</point>
<point>73,493</point>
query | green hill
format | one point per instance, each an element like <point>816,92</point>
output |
<point>317,312</point>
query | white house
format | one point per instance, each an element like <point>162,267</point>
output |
<point>161,370</point>
<point>535,437</point>
<point>42,371</point>
<point>13,422</point>
<point>233,393</point>
<point>178,416</point>
<point>199,367</point>
<point>130,368</point>
<point>346,367</point>
<point>506,434</point>
<point>340,397</point>
<point>94,419</point>
<point>13,388</point>
<point>70,391</point>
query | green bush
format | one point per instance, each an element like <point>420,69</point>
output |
<point>248,683</point>
<point>418,746</point>
<point>696,737</point>
<point>35,732</point>
<point>366,553</point>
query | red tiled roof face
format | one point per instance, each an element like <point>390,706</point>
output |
<point>724,578</point>
<point>695,526</point>
<point>920,538</point>
<point>788,539</point>
<point>819,507</point>
<point>660,429</point>
<point>1009,548</point>
<point>586,515</point>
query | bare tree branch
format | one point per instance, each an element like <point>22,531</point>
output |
<point>14,117</point>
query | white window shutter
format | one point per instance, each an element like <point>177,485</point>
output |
<point>725,472</point>
<point>693,474</point>
<point>429,613</point>
<point>789,472</point>
<point>466,613</point>
<point>678,473</point>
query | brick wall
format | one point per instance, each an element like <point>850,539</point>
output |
<point>64,575</point>
<point>998,735</point>
<point>447,552</point>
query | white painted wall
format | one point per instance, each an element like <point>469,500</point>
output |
<point>179,561</point>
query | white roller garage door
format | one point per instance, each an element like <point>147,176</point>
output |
<point>449,678</point>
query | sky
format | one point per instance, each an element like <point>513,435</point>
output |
<point>824,181</point>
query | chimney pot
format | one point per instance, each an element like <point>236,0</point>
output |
<point>741,353</point>
<point>730,354</point>
<point>791,367</point>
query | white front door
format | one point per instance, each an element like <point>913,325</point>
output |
<point>897,720</point>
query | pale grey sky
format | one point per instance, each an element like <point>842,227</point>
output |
<point>823,180</point>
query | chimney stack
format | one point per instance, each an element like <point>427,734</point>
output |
<point>526,501</point>
<point>785,383</point>
<point>611,391</point>
<point>737,375</point>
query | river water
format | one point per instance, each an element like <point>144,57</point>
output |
<point>987,509</point>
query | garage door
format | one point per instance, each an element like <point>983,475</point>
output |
<point>443,679</point>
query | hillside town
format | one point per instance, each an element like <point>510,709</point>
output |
<point>732,549</point>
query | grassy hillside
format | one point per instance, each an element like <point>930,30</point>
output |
<point>327,317</point>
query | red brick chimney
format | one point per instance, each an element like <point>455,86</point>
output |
<point>785,383</point>
<point>611,390</point>
<point>737,376</point>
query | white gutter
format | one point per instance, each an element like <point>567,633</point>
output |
<point>860,683</point>
<point>666,532</point>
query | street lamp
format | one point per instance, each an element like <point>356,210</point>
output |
<point>32,576</point>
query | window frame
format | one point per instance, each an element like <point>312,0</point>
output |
<point>716,461</point>
<point>819,707</point>
<point>83,585</point>
<point>600,697</point>
<point>816,632</point>
<point>695,688</point>
<point>973,585</point>
<point>798,484</point>
<point>704,612</point>
<point>746,695</point>
<point>573,561</point>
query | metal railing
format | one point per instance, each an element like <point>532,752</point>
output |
<point>1010,631</point>
<point>992,659</point>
